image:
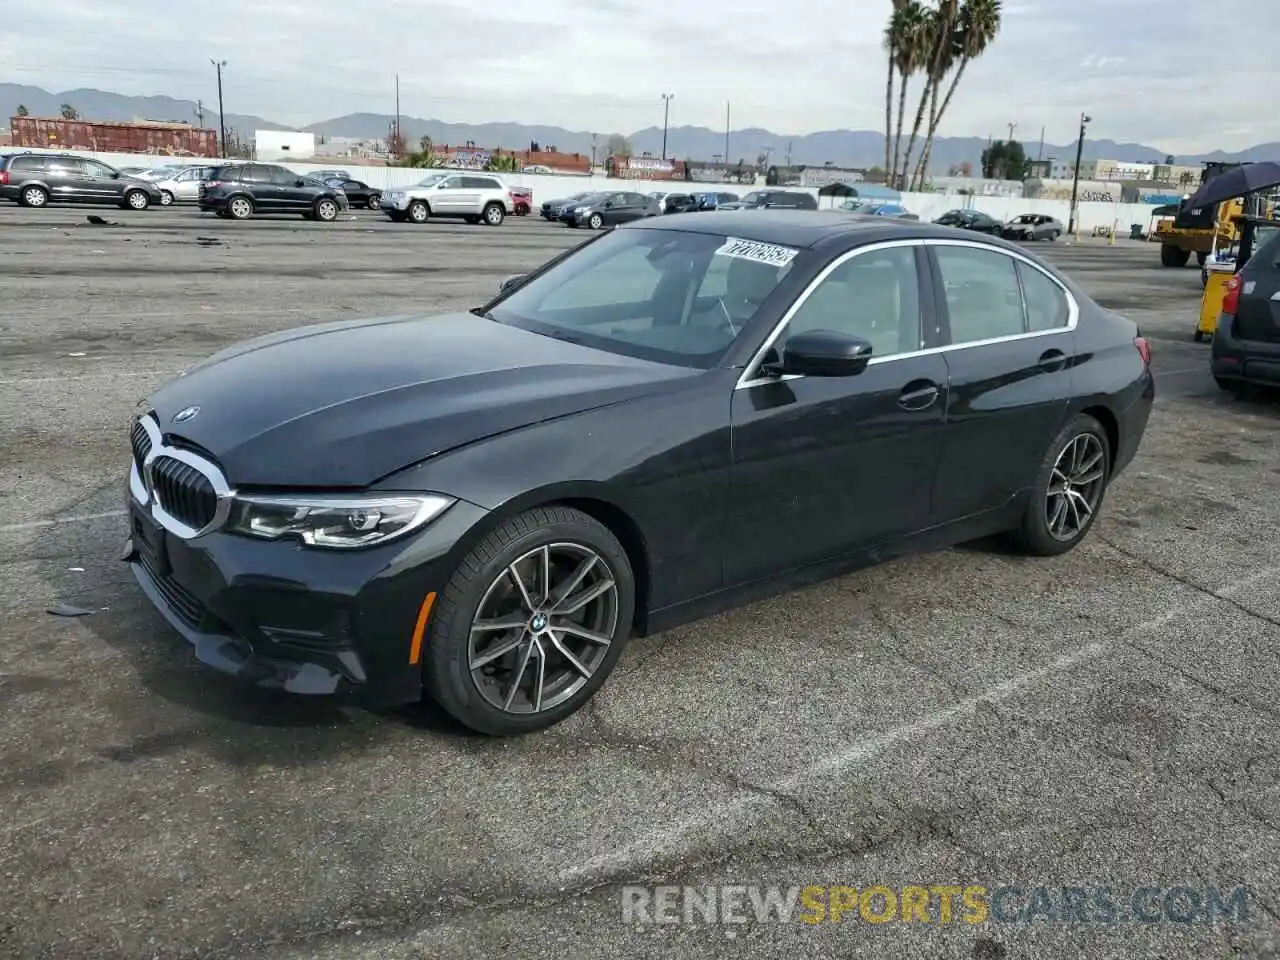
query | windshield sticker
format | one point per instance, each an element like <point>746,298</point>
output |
<point>769,253</point>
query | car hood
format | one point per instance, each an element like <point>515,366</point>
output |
<point>345,404</point>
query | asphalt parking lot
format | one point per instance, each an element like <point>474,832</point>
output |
<point>965,717</point>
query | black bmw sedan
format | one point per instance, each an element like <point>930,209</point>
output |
<point>673,418</point>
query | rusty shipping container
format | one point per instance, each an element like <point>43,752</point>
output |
<point>155,139</point>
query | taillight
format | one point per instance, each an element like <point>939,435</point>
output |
<point>4,178</point>
<point>1231,302</point>
<point>1144,350</point>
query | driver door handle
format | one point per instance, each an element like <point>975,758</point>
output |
<point>1052,361</point>
<point>919,395</point>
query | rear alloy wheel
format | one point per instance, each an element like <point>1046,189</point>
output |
<point>1069,490</point>
<point>326,210</point>
<point>418,212</point>
<point>166,198</point>
<point>35,197</point>
<point>1231,386</point>
<point>375,201</point>
<point>240,208</point>
<point>494,214</point>
<point>596,221</point>
<point>137,200</point>
<point>531,623</point>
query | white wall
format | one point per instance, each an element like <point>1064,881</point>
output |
<point>927,205</point>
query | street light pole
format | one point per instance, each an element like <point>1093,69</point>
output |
<point>1075,174</point>
<point>666,116</point>
<point>222,117</point>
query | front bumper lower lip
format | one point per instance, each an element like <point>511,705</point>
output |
<point>230,656</point>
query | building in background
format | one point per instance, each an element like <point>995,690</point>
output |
<point>277,145</point>
<point>140,136</point>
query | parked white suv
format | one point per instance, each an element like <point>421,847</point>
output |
<point>474,197</point>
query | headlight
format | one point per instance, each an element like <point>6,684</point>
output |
<point>337,522</point>
<point>579,209</point>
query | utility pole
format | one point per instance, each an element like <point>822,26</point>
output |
<point>1075,174</point>
<point>1040,155</point>
<point>726,131</point>
<point>399,139</point>
<point>666,116</point>
<point>200,114</point>
<point>1012,127</point>
<point>222,116</point>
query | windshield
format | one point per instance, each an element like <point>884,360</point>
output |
<point>663,295</point>
<point>756,196</point>
<point>430,181</point>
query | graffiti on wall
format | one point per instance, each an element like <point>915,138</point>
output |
<point>1089,191</point>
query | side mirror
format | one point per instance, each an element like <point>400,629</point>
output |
<point>608,204</point>
<point>299,182</point>
<point>825,353</point>
<point>511,283</point>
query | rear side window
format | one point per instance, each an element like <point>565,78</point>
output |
<point>984,298</point>
<point>1047,305</point>
<point>27,163</point>
<point>225,173</point>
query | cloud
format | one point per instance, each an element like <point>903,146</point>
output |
<point>602,65</point>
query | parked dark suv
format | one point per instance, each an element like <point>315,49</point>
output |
<point>773,200</point>
<point>38,179</point>
<point>239,191</point>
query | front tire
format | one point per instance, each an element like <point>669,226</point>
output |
<point>136,200</point>
<point>418,212</point>
<point>596,221</point>
<point>325,210</point>
<point>166,198</point>
<point>531,623</point>
<point>1171,256</point>
<point>375,201</point>
<point>1070,487</point>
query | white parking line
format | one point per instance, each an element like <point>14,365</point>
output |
<point>676,837</point>
<point>1177,373</point>
<point>59,521</point>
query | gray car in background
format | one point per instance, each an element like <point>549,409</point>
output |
<point>183,186</point>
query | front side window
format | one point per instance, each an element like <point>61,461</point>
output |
<point>984,298</point>
<point>673,297</point>
<point>874,296</point>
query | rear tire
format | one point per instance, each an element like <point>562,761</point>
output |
<point>1198,336</point>
<point>240,208</point>
<point>375,201</point>
<point>1171,256</point>
<point>396,216</point>
<point>1229,385</point>
<point>34,197</point>
<point>1035,533</point>
<point>419,212</point>
<point>468,693</point>
<point>493,214</point>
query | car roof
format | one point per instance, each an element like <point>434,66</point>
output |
<point>795,228</point>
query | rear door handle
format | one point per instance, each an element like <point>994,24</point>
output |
<point>1052,360</point>
<point>919,395</point>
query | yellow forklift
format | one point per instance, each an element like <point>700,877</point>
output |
<point>1201,229</point>
<point>1253,232</point>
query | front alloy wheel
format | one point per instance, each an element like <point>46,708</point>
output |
<point>326,210</point>
<point>240,208</point>
<point>137,200</point>
<point>166,198</point>
<point>531,624</point>
<point>596,221</point>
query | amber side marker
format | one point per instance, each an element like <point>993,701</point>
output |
<point>420,629</point>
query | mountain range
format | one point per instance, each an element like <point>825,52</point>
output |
<point>843,148</point>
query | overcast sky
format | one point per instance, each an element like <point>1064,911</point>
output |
<point>1151,71</point>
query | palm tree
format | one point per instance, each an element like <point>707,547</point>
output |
<point>936,32</point>
<point>888,86</point>
<point>977,25</point>
<point>23,111</point>
<point>69,112</point>
<point>905,37</point>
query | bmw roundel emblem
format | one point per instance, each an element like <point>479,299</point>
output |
<point>188,413</point>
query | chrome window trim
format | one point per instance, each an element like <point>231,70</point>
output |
<point>747,379</point>
<point>142,484</point>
